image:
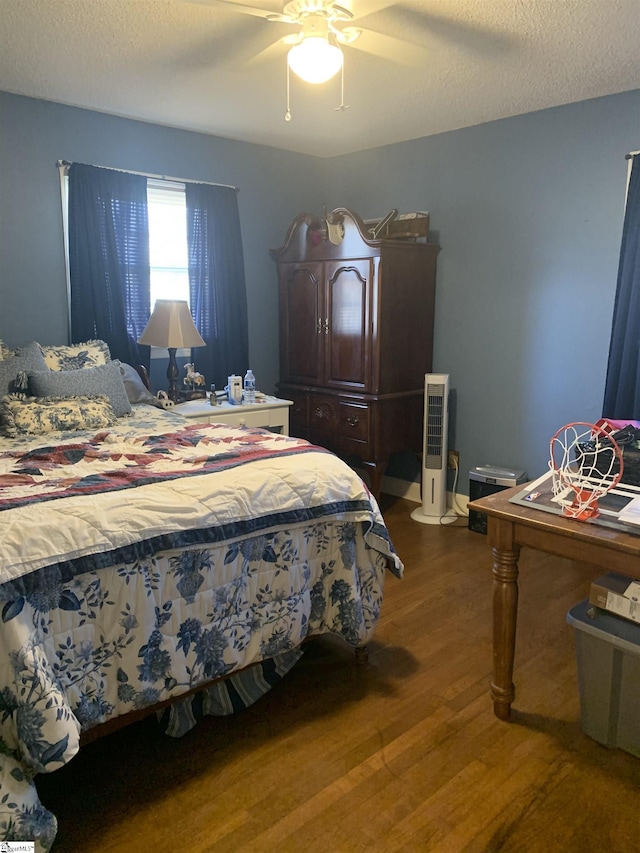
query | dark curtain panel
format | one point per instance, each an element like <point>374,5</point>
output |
<point>622,390</point>
<point>217,287</point>
<point>109,259</point>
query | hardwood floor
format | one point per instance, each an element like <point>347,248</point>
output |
<point>401,755</point>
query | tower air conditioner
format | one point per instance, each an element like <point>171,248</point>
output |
<point>434,452</point>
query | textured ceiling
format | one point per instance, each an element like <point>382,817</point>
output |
<point>189,65</point>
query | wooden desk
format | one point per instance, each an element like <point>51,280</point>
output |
<point>510,526</point>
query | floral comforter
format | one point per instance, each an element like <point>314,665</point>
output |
<point>136,566</point>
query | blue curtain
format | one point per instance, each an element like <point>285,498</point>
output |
<point>217,288</point>
<point>622,390</point>
<point>109,259</point>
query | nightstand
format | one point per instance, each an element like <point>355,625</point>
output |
<point>269,413</point>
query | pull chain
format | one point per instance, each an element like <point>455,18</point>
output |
<point>287,115</point>
<point>342,106</point>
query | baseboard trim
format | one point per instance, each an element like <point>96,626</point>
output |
<point>410,491</point>
<point>401,489</point>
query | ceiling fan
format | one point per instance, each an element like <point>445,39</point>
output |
<point>315,53</point>
<point>322,28</point>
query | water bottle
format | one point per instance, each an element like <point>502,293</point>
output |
<point>249,397</point>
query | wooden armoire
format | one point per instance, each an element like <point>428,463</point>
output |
<point>356,337</point>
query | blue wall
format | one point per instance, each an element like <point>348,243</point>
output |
<point>528,211</point>
<point>274,186</point>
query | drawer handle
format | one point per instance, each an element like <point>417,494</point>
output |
<point>320,413</point>
<point>353,422</point>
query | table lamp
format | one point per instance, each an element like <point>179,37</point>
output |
<point>171,325</point>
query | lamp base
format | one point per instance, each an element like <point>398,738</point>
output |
<point>172,375</point>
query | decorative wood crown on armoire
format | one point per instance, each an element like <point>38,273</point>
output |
<point>356,336</point>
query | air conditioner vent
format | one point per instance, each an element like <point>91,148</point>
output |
<point>435,419</point>
<point>434,451</point>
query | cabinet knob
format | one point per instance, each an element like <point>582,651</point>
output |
<point>320,413</point>
<point>353,421</point>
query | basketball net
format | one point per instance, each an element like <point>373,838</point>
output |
<point>586,463</point>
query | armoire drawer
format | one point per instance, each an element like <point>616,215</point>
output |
<point>337,419</point>
<point>323,413</point>
<point>353,421</point>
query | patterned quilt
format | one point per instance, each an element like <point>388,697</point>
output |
<point>136,566</point>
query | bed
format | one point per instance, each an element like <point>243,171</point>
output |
<point>152,565</point>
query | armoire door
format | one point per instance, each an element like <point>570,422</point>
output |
<point>348,323</point>
<point>301,322</point>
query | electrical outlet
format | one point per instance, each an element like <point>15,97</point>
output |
<point>453,459</point>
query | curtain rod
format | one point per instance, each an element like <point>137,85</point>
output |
<point>66,163</point>
<point>631,155</point>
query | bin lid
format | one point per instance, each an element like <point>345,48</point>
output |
<point>598,623</point>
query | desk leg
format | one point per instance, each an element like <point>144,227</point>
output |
<point>505,612</point>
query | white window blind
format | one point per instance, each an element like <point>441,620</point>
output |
<point>168,258</point>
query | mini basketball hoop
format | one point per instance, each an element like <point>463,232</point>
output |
<point>586,463</point>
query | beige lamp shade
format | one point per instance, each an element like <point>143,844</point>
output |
<point>171,325</point>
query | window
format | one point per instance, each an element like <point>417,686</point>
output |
<point>168,257</point>
<point>168,253</point>
<point>119,264</point>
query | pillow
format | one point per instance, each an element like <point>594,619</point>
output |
<point>75,356</point>
<point>5,352</point>
<point>26,359</point>
<point>137,392</point>
<point>86,381</point>
<point>37,416</point>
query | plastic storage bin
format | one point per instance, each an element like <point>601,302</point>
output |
<point>608,658</point>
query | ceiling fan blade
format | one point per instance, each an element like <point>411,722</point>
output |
<point>231,6</point>
<point>390,48</point>
<point>430,28</point>
<point>276,50</point>
<point>363,8</point>
<point>233,49</point>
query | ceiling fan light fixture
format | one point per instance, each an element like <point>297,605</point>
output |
<point>315,59</point>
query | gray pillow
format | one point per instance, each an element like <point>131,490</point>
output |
<point>136,390</point>
<point>26,359</point>
<point>86,382</point>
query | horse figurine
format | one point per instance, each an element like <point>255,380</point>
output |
<point>192,378</point>
<point>195,383</point>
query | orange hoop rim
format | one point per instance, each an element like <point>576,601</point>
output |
<point>595,432</point>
